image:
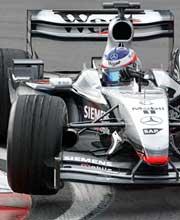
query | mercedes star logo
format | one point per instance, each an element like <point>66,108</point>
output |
<point>151,120</point>
<point>114,56</point>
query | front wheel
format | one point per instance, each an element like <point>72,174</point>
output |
<point>34,137</point>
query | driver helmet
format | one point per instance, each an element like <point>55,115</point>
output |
<point>115,63</point>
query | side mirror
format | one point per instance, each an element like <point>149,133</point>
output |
<point>176,65</point>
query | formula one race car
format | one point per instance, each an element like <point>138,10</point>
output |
<point>113,122</point>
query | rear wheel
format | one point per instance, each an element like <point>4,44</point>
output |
<point>6,56</point>
<point>34,139</point>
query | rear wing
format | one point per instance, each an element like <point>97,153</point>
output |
<point>89,25</point>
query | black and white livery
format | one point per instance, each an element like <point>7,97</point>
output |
<point>129,127</point>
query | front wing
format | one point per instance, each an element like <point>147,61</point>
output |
<point>74,166</point>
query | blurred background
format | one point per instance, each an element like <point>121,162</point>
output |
<point>70,55</point>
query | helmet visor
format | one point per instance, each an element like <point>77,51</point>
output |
<point>112,77</point>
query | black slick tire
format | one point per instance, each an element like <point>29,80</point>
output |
<point>34,137</point>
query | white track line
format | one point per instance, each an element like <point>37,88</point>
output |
<point>3,153</point>
<point>4,186</point>
<point>87,198</point>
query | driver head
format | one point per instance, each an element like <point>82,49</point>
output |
<point>115,62</point>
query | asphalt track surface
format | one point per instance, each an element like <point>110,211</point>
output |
<point>81,201</point>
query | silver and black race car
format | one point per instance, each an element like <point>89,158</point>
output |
<point>78,128</point>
